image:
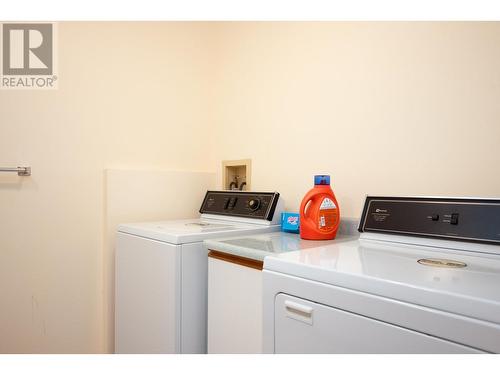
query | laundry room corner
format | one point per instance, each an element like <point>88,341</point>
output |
<point>199,187</point>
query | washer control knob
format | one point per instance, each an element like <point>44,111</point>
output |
<point>254,204</point>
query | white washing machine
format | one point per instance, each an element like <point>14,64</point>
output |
<point>424,277</point>
<point>161,271</point>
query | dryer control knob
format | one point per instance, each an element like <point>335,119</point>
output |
<point>254,204</point>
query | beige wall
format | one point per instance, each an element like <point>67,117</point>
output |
<point>385,108</point>
<point>131,95</point>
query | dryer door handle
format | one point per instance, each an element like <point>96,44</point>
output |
<point>299,311</point>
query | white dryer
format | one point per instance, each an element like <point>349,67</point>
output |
<point>423,277</point>
<point>161,271</point>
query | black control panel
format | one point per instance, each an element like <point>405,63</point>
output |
<point>240,203</point>
<point>465,219</point>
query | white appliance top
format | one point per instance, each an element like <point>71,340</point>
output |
<point>223,213</point>
<point>393,271</point>
<point>191,230</point>
<point>385,262</point>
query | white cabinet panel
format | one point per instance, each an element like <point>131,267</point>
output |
<point>302,326</point>
<point>147,296</point>
<point>234,308</point>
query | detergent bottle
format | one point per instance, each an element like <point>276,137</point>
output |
<point>319,211</point>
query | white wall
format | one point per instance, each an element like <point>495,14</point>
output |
<point>131,95</point>
<point>385,108</point>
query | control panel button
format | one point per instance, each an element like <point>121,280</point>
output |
<point>435,217</point>
<point>232,203</point>
<point>454,219</point>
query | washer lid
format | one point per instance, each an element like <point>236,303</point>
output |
<point>189,230</point>
<point>394,271</point>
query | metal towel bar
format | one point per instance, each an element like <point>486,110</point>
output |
<point>21,171</point>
